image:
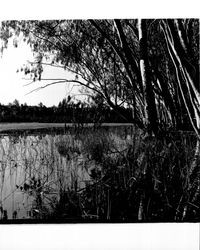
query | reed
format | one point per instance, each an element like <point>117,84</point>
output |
<point>117,175</point>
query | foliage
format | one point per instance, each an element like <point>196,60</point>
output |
<point>97,145</point>
<point>105,57</point>
<point>105,175</point>
<point>65,112</point>
<point>147,180</point>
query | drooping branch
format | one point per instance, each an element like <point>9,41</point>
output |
<point>118,52</point>
<point>128,53</point>
<point>66,81</point>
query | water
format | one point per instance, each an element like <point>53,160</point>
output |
<point>33,171</point>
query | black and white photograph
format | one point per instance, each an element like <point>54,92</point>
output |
<point>108,130</point>
<point>99,121</point>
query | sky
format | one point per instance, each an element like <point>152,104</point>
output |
<point>13,85</point>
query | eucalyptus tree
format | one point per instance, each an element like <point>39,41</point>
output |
<point>77,47</point>
<point>148,65</point>
<point>102,54</point>
<point>183,47</point>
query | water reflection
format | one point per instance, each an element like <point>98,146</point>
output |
<point>33,171</point>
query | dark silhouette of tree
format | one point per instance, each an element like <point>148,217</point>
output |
<point>65,112</point>
<point>16,103</point>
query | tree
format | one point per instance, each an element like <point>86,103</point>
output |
<point>136,63</point>
<point>16,103</point>
<point>41,105</point>
<point>150,117</point>
<point>186,69</point>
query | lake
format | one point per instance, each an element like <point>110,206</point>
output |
<point>36,168</point>
<point>9,127</point>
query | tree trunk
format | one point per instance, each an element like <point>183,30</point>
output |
<point>150,112</point>
<point>187,86</point>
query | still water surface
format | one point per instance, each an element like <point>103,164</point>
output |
<point>35,168</point>
<point>32,168</point>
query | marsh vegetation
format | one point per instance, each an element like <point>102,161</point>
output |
<point>108,174</point>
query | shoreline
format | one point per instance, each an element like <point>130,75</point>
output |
<point>36,127</point>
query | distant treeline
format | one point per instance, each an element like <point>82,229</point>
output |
<point>64,112</point>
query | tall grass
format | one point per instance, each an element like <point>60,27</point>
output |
<point>137,179</point>
<point>105,175</point>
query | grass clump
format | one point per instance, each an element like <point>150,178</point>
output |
<point>107,175</point>
<point>67,146</point>
<point>96,145</point>
<point>147,180</point>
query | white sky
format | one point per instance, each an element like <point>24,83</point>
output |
<point>12,84</point>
